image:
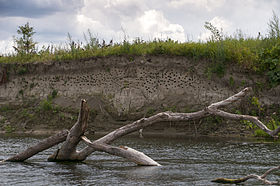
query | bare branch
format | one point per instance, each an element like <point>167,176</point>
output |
<point>251,176</point>
<point>269,171</point>
<point>253,119</point>
<point>163,116</point>
<point>143,123</point>
<point>123,151</point>
<point>231,99</point>
<point>68,149</point>
<point>39,147</point>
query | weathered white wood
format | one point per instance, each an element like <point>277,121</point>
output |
<point>123,151</point>
<point>231,99</point>
<point>68,152</point>
<point>261,178</point>
<point>143,123</point>
<point>39,147</point>
<point>253,119</point>
<point>167,116</point>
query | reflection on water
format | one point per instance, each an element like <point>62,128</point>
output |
<point>188,161</point>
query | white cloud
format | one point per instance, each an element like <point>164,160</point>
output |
<point>146,19</point>
<point>110,18</point>
<point>85,23</point>
<point>205,4</point>
<point>154,23</point>
<point>6,46</point>
<point>99,30</point>
<point>221,23</point>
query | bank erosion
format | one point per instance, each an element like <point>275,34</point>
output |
<point>45,96</point>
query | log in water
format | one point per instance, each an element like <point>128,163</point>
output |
<point>185,161</point>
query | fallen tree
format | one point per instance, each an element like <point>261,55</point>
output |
<point>261,178</point>
<point>71,138</point>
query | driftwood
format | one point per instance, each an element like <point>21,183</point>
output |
<point>39,147</point>
<point>68,151</point>
<point>123,151</point>
<point>261,178</point>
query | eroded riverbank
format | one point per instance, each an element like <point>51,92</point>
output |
<point>122,89</point>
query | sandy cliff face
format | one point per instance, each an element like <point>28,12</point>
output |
<point>125,86</point>
<point>125,82</point>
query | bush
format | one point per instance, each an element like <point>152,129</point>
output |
<point>260,54</point>
<point>46,105</point>
<point>261,133</point>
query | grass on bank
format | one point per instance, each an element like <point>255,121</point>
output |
<point>260,54</point>
<point>257,54</point>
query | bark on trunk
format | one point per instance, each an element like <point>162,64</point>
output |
<point>170,116</point>
<point>68,152</point>
<point>123,151</point>
<point>261,178</point>
<point>39,147</point>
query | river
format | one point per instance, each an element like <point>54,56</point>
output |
<point>185,161</point>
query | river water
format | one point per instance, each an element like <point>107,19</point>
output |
<point>185,161</point>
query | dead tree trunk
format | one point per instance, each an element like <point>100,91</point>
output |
<point>41,146</point>
<point>68,151</point>
<point>123,151</point>
<point>261,178</point>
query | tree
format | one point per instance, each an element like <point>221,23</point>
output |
<point>71,138</point>
<point>217,35</point>
<point>25,43</point>
<point>274,26</point>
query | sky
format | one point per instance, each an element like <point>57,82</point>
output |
<point>181,20</point>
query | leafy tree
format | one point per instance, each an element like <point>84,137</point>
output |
<point>217,35</point>
<point>274,26</point>
<point>25,43</point>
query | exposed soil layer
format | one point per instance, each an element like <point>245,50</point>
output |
<point>120,89</point>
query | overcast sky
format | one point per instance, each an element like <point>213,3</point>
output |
<point>181,20</point>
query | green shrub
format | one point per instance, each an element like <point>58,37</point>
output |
<point>270,63</point>
<point>261,133</point>
<point>150,111</point>
<point>260,54</point>
<point>4,108</point>
<point>54,94</point>
<point>272,124</point>
<point>9,129</point>
<point>170,108</point>
<point>46,105</point>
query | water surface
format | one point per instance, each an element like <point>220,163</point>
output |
<point>185,161</point>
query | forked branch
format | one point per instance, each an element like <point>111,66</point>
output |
<point>123,151</point>
<point>213,109</point>
<point>261,178</point>
<point>39,147</point>
<point>68,151</point>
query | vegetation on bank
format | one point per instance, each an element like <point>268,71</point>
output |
<point>34,114</point>
<point>260,54</point>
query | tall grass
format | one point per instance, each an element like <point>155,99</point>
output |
<point>261,54</point>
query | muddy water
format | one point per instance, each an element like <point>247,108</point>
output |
<point>185,161</point>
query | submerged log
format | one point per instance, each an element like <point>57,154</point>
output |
<point>39,147</point>
<point>123,151</point>
<point>68,151</point>
<point>261,178</point>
